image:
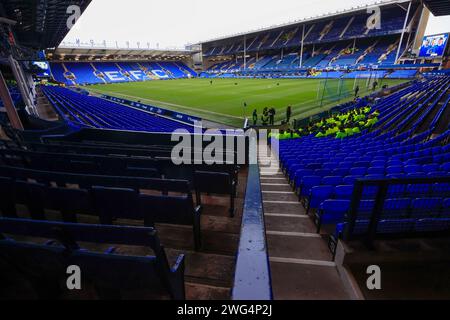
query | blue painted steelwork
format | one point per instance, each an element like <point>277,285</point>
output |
<point>252,279</point>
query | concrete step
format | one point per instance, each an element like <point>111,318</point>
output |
<point>283,207</point>
<point>279,196</point>
<point>303,281</point>
<point>280,188</point>
<point>195,291</point>
<point>307,246</point>
<point>285,223</point>
<point>203,268</point>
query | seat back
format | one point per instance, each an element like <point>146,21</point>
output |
<point>70,202</point>
<point>213,182</point>
<point>166,209</point>
<point>32,195</point>
<point>115,203</point>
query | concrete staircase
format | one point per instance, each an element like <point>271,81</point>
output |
<point>300,261</point>
<point>44,108</point>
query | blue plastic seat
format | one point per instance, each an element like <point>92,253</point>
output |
<point>358,171</point>
<point>299,174</point>
<point>307,183</point>
<point>432,225</point>
<point>361,164</point>
<point>322,172</point>
<point>396,226</point>
<point>426,208</point>
<point>413,168</point>
<point>430,167</point>
<point>376,176</point>
<point>343,192</point>
<point>332,180</point>
<point>394,163</point>
<point>396,208</point>
<point>445,167</point>
<point>378,163</point>
<point>394,170</point>
<point>375,170</point>
<point>446,208</point>
<point>419,189</point>
<point>365,209</point>
<point>318,195</point>
<point>334,211</point>
<point>340,172</point>
<point>346,165</point>
<point>351,179</point>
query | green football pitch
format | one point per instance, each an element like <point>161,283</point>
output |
<point>223,100</point>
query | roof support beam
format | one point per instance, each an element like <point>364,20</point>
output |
<point>403,33</point>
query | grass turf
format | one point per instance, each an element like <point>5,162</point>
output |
<point>222,101</point>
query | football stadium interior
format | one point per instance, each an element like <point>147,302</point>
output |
<point>287,163</point>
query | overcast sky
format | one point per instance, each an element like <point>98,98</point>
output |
<point>175,23</point>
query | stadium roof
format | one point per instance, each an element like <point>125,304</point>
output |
<point>40,24</point>
<point>381,3</point>
<point>75,53</point>
<point>438,7</point>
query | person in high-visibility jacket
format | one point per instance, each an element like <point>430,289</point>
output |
<point>349,132</point>
<point>320,134</point>
<point>356,130</point>
<point>371,121</point>
<point>341,134</point>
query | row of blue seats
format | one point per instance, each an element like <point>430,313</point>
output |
<point>363,166</point>
<point>399,227</point>
<point>334,211</point>
<point>319,194</point>
<point>88,111</point>
<point>106,203</point>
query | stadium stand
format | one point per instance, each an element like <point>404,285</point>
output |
<point>338,42</point>
<point>82,73</point>
<point>97,186</point>
<point>87,111</point>
<point>398,146</point>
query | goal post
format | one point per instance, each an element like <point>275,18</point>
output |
<point>332,90</point>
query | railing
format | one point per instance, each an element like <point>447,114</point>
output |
<point>252,279</point>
